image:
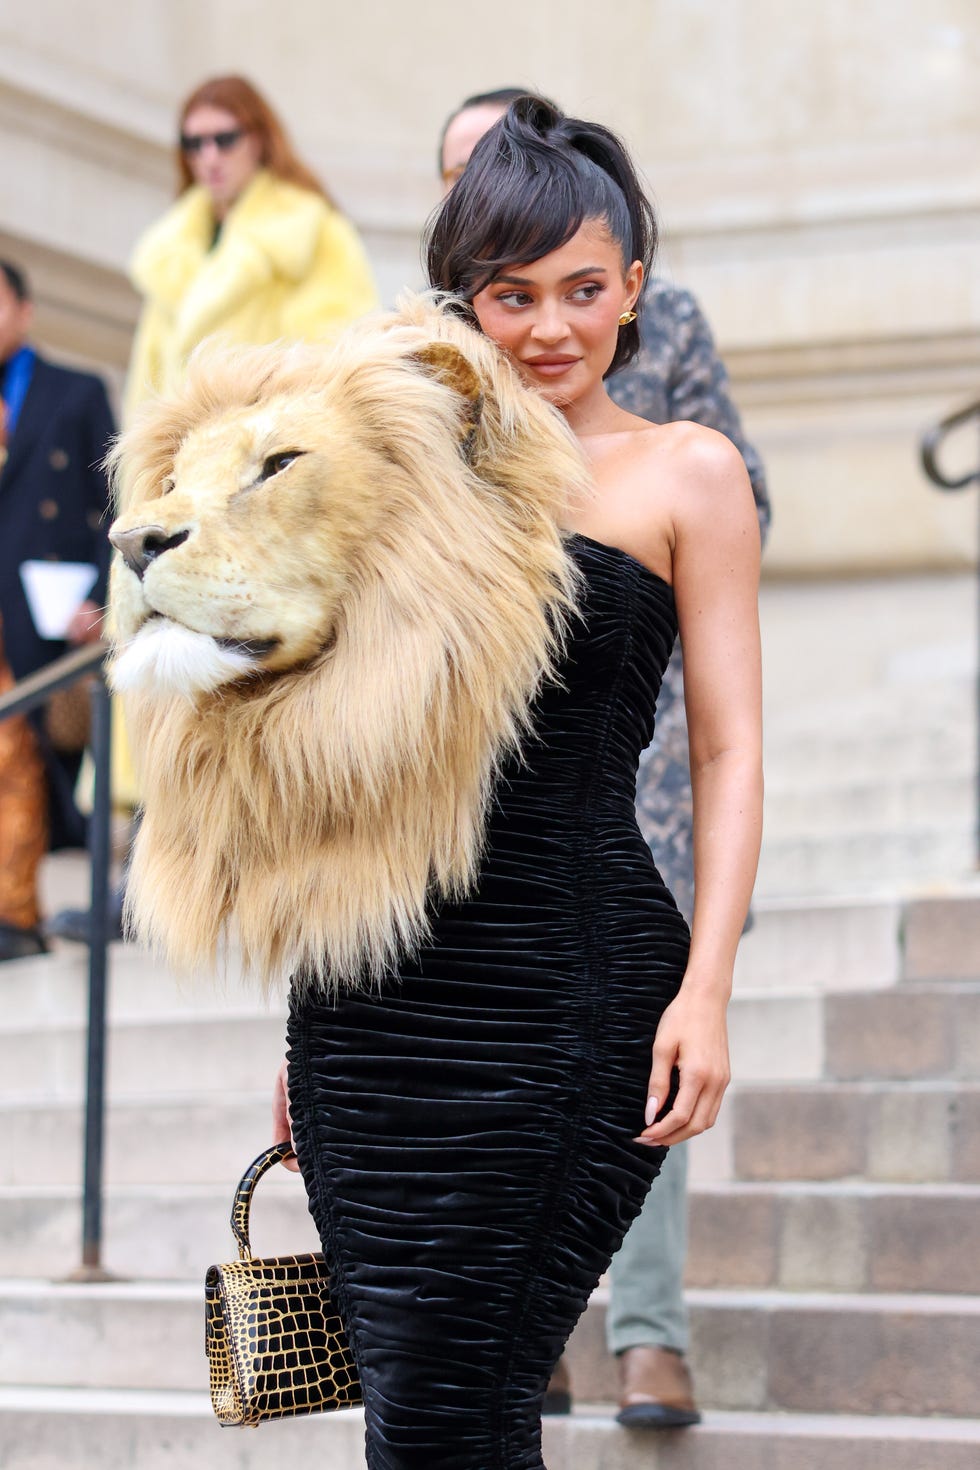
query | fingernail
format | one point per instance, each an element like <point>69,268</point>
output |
<point>652,1108</point>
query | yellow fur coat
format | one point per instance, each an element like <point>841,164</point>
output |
<point>287,265</point>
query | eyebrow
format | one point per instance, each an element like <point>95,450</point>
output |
<point>589,270</point>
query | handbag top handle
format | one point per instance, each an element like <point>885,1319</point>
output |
<point>243,1194</point>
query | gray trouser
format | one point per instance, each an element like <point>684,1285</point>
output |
<point>647,1275</point>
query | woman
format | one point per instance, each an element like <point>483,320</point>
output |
<point>677,374</point>
<point>253,247</point>
<point>476,1138</point>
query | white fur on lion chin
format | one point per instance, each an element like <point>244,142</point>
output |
<point>166,658</point>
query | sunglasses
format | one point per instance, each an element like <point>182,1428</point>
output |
<point>224,142</point>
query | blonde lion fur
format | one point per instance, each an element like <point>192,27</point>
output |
<point>411,565</point>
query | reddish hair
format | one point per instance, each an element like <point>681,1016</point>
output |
<point>253,113</point>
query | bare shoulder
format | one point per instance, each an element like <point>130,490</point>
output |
<point>664,487</point>
<point>716,528</point>
<point>692,469</point>
<point>685,448</point>
<point>705,475</point>
<point>697,452</point>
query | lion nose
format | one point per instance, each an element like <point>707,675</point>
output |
<point>144,544</point>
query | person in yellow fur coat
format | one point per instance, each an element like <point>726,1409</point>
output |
<point>254,249</point>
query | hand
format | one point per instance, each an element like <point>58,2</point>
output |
<point>86,624</point>
<point>282,1123</point>
<point>693,1037</point>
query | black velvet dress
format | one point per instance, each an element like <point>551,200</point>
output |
<point>465,1136</point>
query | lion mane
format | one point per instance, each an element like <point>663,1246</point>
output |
<point>342,581</point>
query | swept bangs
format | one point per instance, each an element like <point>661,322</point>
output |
<point>532,181</point>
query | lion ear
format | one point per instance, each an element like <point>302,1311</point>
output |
<point>446,363</point>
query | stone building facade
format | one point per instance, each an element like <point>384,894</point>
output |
<point>817,174</point>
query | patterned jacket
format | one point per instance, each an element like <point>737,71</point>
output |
<point>678,375</point>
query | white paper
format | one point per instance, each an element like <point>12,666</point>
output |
<point>54,591</point>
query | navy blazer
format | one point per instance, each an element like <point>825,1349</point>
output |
<point>53,497</point>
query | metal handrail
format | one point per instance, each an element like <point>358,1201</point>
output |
<point>27,695</point>
<point>929,451</point>
<point>933,438</point>
<point>37,689</point>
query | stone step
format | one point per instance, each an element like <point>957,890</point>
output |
<point>933,797</point>
<point>941,936</point>
<point>910,1032</point>
<point>51,1428</point>
<point>835,1237</point>
<point>170,1055</point>
<point>876,753</point>
<point>866,862</point>
<point>816,1353</point>
<point>52,989</point>
<point>149,1231</point>
<point>793,1237</point>
<point>825,944</point>
<point>886,1132</point>
<point>902,1032</point>
<point>176,1140</point>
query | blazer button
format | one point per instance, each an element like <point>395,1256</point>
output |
<point>48,509</point>
<point>58,459</point>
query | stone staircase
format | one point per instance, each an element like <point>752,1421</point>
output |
<point>870,701</point>
<point>835,1214</point>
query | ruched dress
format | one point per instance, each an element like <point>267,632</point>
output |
<point>465,1134</point>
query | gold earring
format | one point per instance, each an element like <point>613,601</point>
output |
<point>626,318</point>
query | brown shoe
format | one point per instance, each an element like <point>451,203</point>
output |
<point>558,1394</point>
<point>655,1390</point>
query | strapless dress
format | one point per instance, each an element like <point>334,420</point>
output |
<point>465,1131</point>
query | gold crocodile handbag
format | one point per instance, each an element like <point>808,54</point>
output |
<point>275,1343</point>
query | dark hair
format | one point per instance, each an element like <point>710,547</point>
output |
<point>502,97</point>
<point>531,182</point>
<point>16,280</point>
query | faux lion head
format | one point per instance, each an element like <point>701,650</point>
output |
<point>341,580</point>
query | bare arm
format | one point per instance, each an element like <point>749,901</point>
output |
<point>715,573</point>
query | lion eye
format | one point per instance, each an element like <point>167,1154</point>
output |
<point>276,463</point>
<point>168,485</point>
